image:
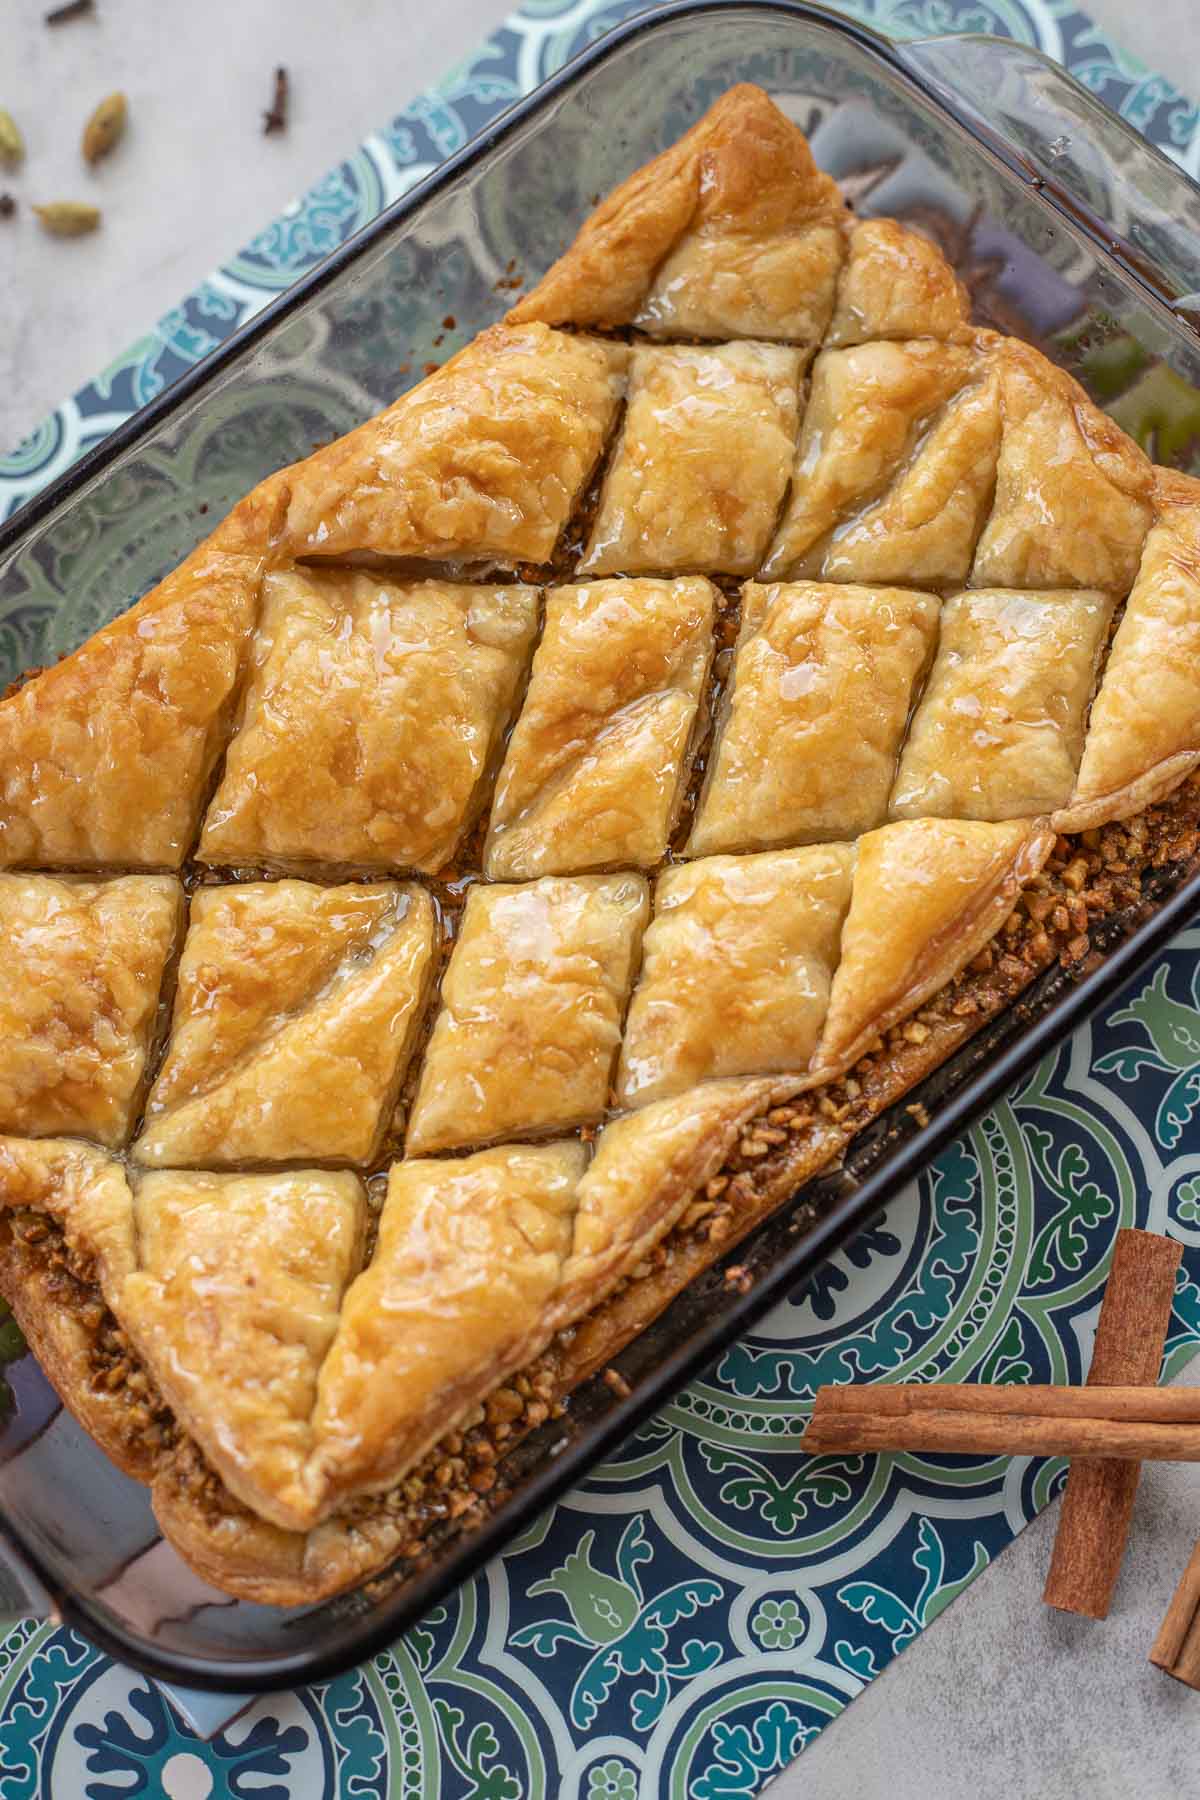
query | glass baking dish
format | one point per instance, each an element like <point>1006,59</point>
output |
<point>1069,230</point>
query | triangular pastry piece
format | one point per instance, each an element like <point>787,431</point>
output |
<point>732,232</point>
<point>648,1166</point>
<point>234,1306</point>
<point>895,465</point>
<point>481,463</point>
<point>1144,732</point>
<point>928,895</point>
<point>296,1011</point>
<point>1073,493</point>
<point>469,1258</point>
<point>105,758</point>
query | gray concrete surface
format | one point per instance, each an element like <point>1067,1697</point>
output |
<point>1001,1697</point>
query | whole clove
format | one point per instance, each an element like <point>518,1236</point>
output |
<point>275,118</point>
<point>73,9</point>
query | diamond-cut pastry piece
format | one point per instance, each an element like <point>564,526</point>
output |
<point>531,1011</point>
<point>483,461</point>
<point>84,964</point>
<point>469,1258</point>
<point>295,1016</point>
<point>596,763</point>
<point>1144,732</point>
<point>736,968</point>
<point>233,1308</point>
<point>822,686</point>
<point>928,895</point>
<point>371,716</point>
<point>999,730</point>
<point>647,1168</point>
<point>895,284</point>
<point>732,232</point>
<point>701,462</point>
<point>105,757</point>
<point>1073,493</point>
<point>895,465</point>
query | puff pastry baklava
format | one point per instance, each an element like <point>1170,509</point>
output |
<point>533,835</point>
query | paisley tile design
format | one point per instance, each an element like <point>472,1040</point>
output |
<point>688,1621</point>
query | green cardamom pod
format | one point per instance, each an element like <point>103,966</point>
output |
<point>68,218</point>
<point>12,144</point>
<point>105,128</point>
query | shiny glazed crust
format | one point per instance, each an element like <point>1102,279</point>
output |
<point>612,1049</point>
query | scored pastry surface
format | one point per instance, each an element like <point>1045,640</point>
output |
<point>569,774</point>
<point>84,965</point>
<point>701,463</point>
<point>597,760</point>
<point>822,685</point>
<point>295,1016</point>
<point>372,711</point>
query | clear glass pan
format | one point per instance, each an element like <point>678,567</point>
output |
<point>1070,232</point>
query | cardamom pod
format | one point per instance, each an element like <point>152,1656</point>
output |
<point>12,144</point>
<point>104,129</point>
<point>68,218</point>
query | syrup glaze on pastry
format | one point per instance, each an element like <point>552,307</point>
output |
<point>666,705</point>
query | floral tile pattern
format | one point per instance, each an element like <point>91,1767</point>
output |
<point>687,1622</point>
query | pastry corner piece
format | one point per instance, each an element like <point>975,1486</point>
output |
<point>67,1244</point>
<point>105,757</point>
<point>732,232</point>
<point>928,895</point>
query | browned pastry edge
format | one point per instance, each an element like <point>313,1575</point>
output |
<point>1089,882</point>
<point>55,1297</point>
<point>743,156</point>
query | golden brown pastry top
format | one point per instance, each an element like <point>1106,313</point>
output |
<point>482,462</point>
<point>83,972</point>
<point>105,758</point>
<point>735,969</point>
<point>598,758</point>
<point>296,1013</point>
<point>523,685</point>
<point>372,713</point>
<point>999,729</point>
<point>1144,731</point>
<point>234,1305</point>
<point>701,463</point>
<point>532,1004</point>
<point>732,232</point>
<point>469,1257</point>
<point>815,710</point>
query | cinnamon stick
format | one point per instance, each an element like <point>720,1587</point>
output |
<point>1177,1646</point>
<point>1130,1423</point>
<point>1096,1508</point>
<point>1172,1406</point>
